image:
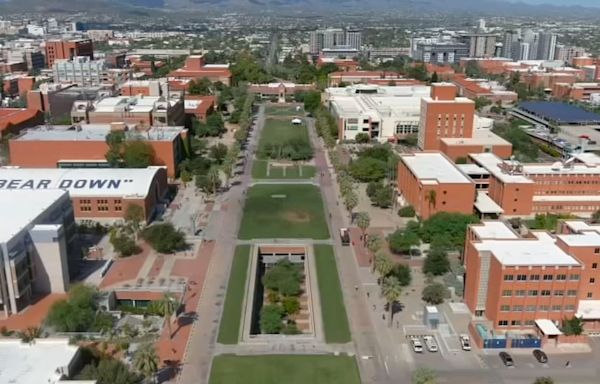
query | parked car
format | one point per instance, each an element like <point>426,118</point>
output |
<point>344,236</point>
<point>417,346</point>
<point>540,356</point>
<point>430,343</point>
<point>506,359</point>
<point>465,342</point>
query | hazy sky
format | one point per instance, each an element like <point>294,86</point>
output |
<point>588,3</point>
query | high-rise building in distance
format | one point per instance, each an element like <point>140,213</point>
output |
<point>333,38</point>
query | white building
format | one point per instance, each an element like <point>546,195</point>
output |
<point>86,72</point>
<point>34,245</point>
<point>383,112</point>
<point>47,361</point>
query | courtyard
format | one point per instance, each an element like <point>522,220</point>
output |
<point>266,169</point>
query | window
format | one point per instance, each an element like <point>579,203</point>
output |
<point>547,277</point>
<point>545,292</point>
<point>569,307</point>
<point>507,293</point>
<point>571,292</point>
<point>517,308</point>
<point>504,308</point>
<point>529,322</point>
<point>594,265</point>
<point>521,277</point>
<point>515,323</point>
<point>532,292</point>
<point>530,308</point>
<point>592,280</point>
<point>559,293</point>
<point>503,323</point>
<point>589,295</point>
<point>508,277</point>
<point>520,292</point>
<point>574,277</point>
<point>544,308</point>
<point>534,277</point>
<point>556,308</point>
<point>561,277</point>
<point>596,250</point>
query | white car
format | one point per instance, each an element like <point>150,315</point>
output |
<point>417,346</point>
<point>430,343</point>
<point>465,342</point>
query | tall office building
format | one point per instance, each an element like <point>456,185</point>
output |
<point>316,42</point>
<point>509,43</point>
<point>480,44</point>
<point>333,37</point>
<point>354,38</point>
<point>67,50</point>
<point>546,46</point>
<point>524,50</point>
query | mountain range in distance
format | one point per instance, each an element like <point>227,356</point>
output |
<point>483,7</point>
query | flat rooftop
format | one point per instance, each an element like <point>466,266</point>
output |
<point>560,113</point>
<point>580,226</point>
<point>583,239</point>
<point>94,132</point>
<point>81,182</point>
<point>524,252</point>
<point>480,137</point>
<point>23,207</point>
<point>493,230</point>
<point>435,167</point>
<point>23,363</point>
<point>491,163</point>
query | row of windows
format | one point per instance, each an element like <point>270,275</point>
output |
<point>584,208</point>
<point>535,277</point>
<point>513,323</point>
<point>99,201</point>
<point>535,292</point>
<point>533,308</point>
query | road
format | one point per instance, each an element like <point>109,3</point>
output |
<point>223,229</point>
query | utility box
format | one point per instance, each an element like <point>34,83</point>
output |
<point>431,317</point>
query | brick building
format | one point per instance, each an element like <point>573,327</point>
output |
<point>432,183</point>
<point>514,281</point>
<point>526,189</point>
<point>280,91</point>
<point>199,106</point>
<point>85,145</point>
<point>195,68</point>
<point>97,195</point>
<point>67,50</point>
<point>444,115</point>
<point>13,120</point>
<point>138,110</point>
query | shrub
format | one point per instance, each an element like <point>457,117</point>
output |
<point>291,305</point>
<point>271,319</point>
<point>284,278</point>
<point>124,245</point>
<point>407,211</point>
<point>362,138</point>
<point>402,273</point>
<point>290,329</point>
<point>435,293</point>
<point>401,241</point>
<point>436,262</point>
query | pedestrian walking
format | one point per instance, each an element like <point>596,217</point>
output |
<point>568,364</point>
<point>368,294</point>
<point>397,324</point>
<point>383,316</point>
<point>330,215</point>
<point>374,307</point>
<point>356,288</point>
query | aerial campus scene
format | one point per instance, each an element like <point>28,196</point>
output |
<point>274,191</point>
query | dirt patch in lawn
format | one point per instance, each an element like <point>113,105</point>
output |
<point>296,216</point>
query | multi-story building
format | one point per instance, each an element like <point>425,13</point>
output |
<point>480,44</point>
<point>83,71</point>
<point>576,91</point>
<point>431,183</point>
<point>354,38</point>
<point>97,195</point>
<point>509,43</point>
<point>442,114</point>
<point>13,120</point>
<point>384,112</point>
<point>516,282</point>
<point>528,189</point>
<point>36,245</point>
<point>65,146</point>
<point>333,38</point>
<point>279,91</point>
<point>440,52</point>
<point>195,68</point>
<point>547,46</point>
<point>369,77</point>
<point>567,53</point>
<point>67,50</point>
<point>136,110</point>
<point>155,88</point>
<point>482,88</point>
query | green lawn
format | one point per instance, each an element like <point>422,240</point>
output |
<point>283,211</point>
<point>283,110</point>
<point>232,311</point>
<point>281,131</point>
<point>288,369</point>
<point>259,171</point>
<point>335,321</point>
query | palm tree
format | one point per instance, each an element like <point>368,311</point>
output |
<point>351,201</point>
<point>431,198</point>
<point>363,220</point>
<point>213,178</point>
<point>391,290</point>
<point>145,361</point>
<point>373,245</point>
<point>167,307</point>
<point>383,265</point>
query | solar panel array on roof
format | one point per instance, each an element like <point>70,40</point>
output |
<point>559,113</point>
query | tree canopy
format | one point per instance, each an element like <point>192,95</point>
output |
<point>284,277</point>
<point>109,371</point>
<point>436,262</point>
<point>401,241</point>
<point>164,238</point>
<point>79,312</point>
<point>447,227</point>
<point>312,100</point>
<point>434,293</point>
<point>572,326</point>
<point>137,154</point>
